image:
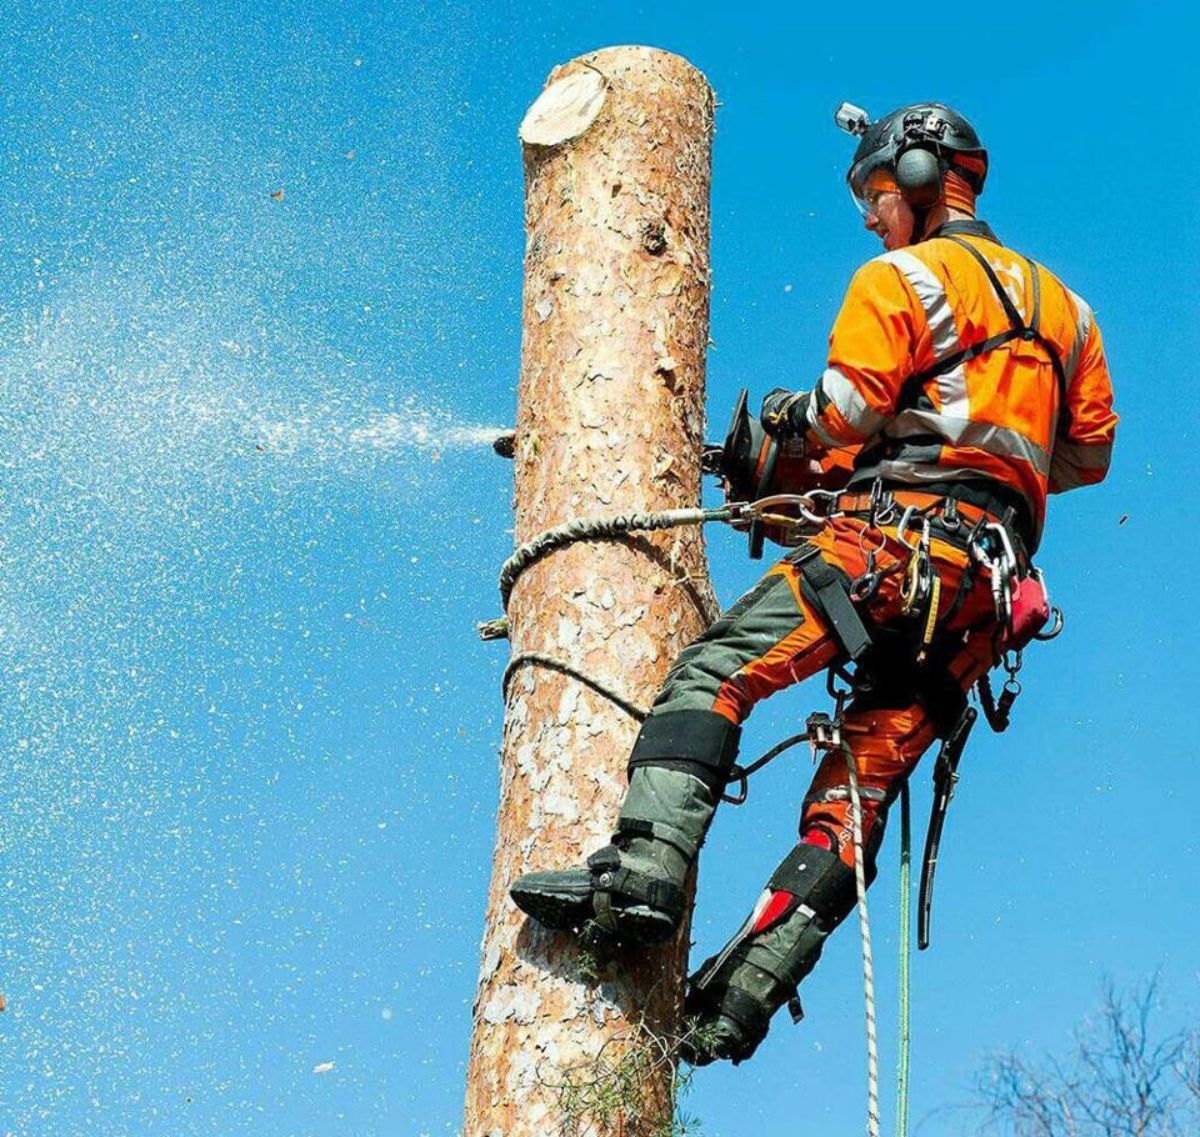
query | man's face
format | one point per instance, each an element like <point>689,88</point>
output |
<point>889,218</point>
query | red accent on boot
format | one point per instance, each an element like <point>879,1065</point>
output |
<point>778,905</point>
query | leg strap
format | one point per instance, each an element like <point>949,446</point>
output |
<point>684,841</point>
<point>701,743</point>
<point>819,878</point>
<point>830,589</point>
<point>613,880</point>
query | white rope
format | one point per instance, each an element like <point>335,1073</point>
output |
<point>905,959</point>
<point>864,925</point>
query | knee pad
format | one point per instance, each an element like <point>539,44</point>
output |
<point>701,743</point>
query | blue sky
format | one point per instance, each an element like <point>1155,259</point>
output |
<point>248,523</point>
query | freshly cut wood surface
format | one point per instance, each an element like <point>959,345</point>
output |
<point>565,109</point>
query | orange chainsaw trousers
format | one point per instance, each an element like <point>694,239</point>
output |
<point>778,635</point>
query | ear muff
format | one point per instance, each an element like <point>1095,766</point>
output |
<point>919,177</point>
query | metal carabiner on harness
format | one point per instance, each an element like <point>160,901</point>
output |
<point>804,504</point>
<point>882,506</point>
<point>918,573</point>
<point>1002,568</point>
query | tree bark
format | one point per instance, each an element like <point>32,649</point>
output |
<point>610,419</point>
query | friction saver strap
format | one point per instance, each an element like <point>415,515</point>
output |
<point>830,591</point>
<point>701,743</point>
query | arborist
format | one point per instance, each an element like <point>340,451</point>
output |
<point>965,383</point>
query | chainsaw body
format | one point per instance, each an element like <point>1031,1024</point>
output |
<point>753,464</point>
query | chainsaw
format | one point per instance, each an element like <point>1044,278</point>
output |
<point>753,465</point>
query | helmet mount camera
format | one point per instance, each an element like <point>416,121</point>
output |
<point>853,120</point>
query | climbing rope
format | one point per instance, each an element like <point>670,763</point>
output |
<point>599,528</point>
<point>905,958</point>
<point>524,658</point>
<point>864,925</point>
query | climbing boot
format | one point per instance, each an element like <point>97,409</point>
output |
<point>732,996</point>
<point>632,890</point>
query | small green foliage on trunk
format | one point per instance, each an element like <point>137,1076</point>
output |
<point>610,1094</point>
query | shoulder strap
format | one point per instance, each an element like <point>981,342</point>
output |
<point>1017,329</point>
<point>1015,319</point>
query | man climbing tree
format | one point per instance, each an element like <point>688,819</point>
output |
<point>966,383</point>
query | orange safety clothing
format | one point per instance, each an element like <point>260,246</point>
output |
<point>997,417</point>
<point>887,742</point>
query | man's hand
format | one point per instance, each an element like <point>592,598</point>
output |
<point>783,414</point>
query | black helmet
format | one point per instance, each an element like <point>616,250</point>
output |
<point>918,144</point>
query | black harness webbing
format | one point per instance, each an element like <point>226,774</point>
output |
<point>1018,329</point>
<point>831,593</point>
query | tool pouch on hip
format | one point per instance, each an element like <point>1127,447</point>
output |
<point>1030,610</point>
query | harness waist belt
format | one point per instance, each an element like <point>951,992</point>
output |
<point>969,512</point>
<point>987,497</point>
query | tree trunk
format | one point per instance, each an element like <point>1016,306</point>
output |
<point>610,419</point>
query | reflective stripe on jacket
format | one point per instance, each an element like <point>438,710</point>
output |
<point>995,416</point>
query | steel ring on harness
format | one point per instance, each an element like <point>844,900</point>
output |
<point>862,544</point>
<point>1055,628</point>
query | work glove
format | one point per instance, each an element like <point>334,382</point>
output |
<point>783,413</point>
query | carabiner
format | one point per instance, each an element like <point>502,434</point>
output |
<point>905,521</point>
<point>864,587</point>
<point>802,503</point>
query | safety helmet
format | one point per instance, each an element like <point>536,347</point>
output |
<point>916,146</point>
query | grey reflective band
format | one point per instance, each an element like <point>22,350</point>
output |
<point>1083,329</point>
<point>944,335</point>
<point>836,388</point>
<point>998,441</point>
<point>842,793</point>
<point>919,470</point>
<point>1070,460</point>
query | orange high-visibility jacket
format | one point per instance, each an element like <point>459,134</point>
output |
<point>1002,416</point>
